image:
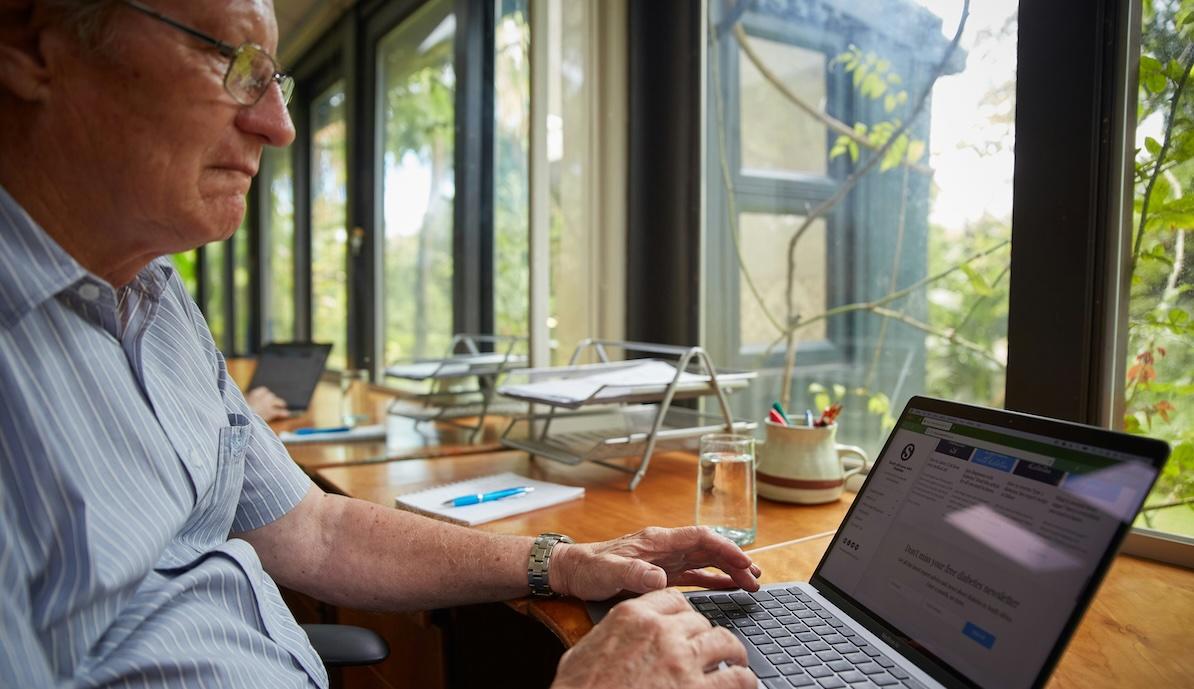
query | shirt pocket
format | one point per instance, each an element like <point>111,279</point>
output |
<point>210,522</point>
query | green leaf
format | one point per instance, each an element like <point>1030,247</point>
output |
<point>1152,145</point>
<point>1178,316</point>
<point>815,388</point>
<point>1174,70</point>
<point>916,149</point>
<point>839,391</point>
<point>878,404</point>
<point>1155,83</point>
<point>821,401</point>
<point>977,282</point>
<point>1149,65</point>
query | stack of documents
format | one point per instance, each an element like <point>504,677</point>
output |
<point>647,377</point>
<point>430,502</point>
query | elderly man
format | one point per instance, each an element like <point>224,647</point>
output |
<point>146,512</point>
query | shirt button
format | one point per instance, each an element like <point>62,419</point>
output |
<point>89,292</point>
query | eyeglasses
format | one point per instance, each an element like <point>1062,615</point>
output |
<point>251,70</point>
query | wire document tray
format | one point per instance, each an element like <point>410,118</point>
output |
<point>462,384</point>
<point>613,409</point>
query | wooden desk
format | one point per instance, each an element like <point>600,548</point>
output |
<point>1134,633</point>
<point>666,497</point>
<point>405,437</point>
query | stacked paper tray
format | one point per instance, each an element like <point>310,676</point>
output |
<point>615,432</point>
<point>620,382</point>
<point>484,364</point>
<point>424,411</point>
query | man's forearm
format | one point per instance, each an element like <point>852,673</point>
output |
<point>355,553</point>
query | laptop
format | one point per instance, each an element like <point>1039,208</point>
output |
<point>966,559</point>
<point>291,370</point>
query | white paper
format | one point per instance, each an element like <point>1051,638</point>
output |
<point>430,501</point>
<point>454,366</point>
<point>358,434</point>
<point>624,380</point>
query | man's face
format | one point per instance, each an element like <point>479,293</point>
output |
<point>167,144</point>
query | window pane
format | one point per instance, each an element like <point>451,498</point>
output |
<point>900,285</point>
<point>779,136</point>
<point>329,236</point>
<point>418,82</point>
<point>1160,375</point>
<point>242,300</point>
<point>762,234</point>
<point>512,104</point>
<point>185,264</point>
<point>213,309</point>
<point>278,250</point>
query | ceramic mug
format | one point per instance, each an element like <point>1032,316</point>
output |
<point>804,464</point>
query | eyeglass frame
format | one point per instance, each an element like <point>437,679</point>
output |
<point>282,79</point>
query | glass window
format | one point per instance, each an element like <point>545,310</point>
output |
<point>418,82</point>
<point>278,249</point>
<point>780,137</point>
<point>242,296</point>
<point>213,308</point>
<point>329,235</point>
<point>1159,389</point>
<point>185,264</point>
<point>511,193</point>
<point>899,282</point>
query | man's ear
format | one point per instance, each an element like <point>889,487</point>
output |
<point>23,70</point>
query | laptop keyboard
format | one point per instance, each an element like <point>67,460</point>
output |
<point>792,641</point>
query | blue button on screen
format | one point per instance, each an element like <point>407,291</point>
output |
<point>984,638</point>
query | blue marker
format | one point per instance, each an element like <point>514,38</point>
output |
<point>313,431</point>
<point>464,500</point>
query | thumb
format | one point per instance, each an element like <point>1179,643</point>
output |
<point>642,577</point>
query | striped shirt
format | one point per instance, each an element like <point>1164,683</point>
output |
<point>127,457</point>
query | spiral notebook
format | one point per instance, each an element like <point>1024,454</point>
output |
<point>429,502</point>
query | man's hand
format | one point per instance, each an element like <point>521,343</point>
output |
<point>655,642</point>
<point>266,404</point>
<point>648,561</point>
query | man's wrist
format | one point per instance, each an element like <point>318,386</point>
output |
<point>561,565</point>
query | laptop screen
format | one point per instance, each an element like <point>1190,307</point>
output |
<point>975,542</point>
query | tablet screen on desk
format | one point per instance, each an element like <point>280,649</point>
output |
<point>291,371</point>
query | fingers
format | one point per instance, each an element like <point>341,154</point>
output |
<point>641,576</point>
<point>665,602</point>
<point>730,678</point>
<point>705,579</point>
<point>720,550</point>
<point>717,645</point>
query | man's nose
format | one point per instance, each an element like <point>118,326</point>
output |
<point>268,118</point>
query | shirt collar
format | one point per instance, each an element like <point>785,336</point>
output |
<point>34,268</point>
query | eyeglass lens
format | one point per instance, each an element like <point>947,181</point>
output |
<point>250,74</point>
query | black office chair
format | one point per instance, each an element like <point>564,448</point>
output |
<point>343,645</point>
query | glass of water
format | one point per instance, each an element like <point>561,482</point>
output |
<point>354,397</point>
<point>725,499</point>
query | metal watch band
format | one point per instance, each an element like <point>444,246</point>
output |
<point>539,561</point>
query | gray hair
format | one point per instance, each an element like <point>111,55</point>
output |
<point>88,18</point>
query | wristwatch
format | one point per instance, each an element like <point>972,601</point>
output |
<point>540,560</point>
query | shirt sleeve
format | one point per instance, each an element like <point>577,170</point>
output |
<point>273,483</point>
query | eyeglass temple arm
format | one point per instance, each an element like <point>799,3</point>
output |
<point>225,49</point>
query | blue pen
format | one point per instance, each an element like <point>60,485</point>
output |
<point>464,500</point>
<point>808,418</point>
<point>313,431</point>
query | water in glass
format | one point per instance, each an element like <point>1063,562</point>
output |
<point>726,499</point>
